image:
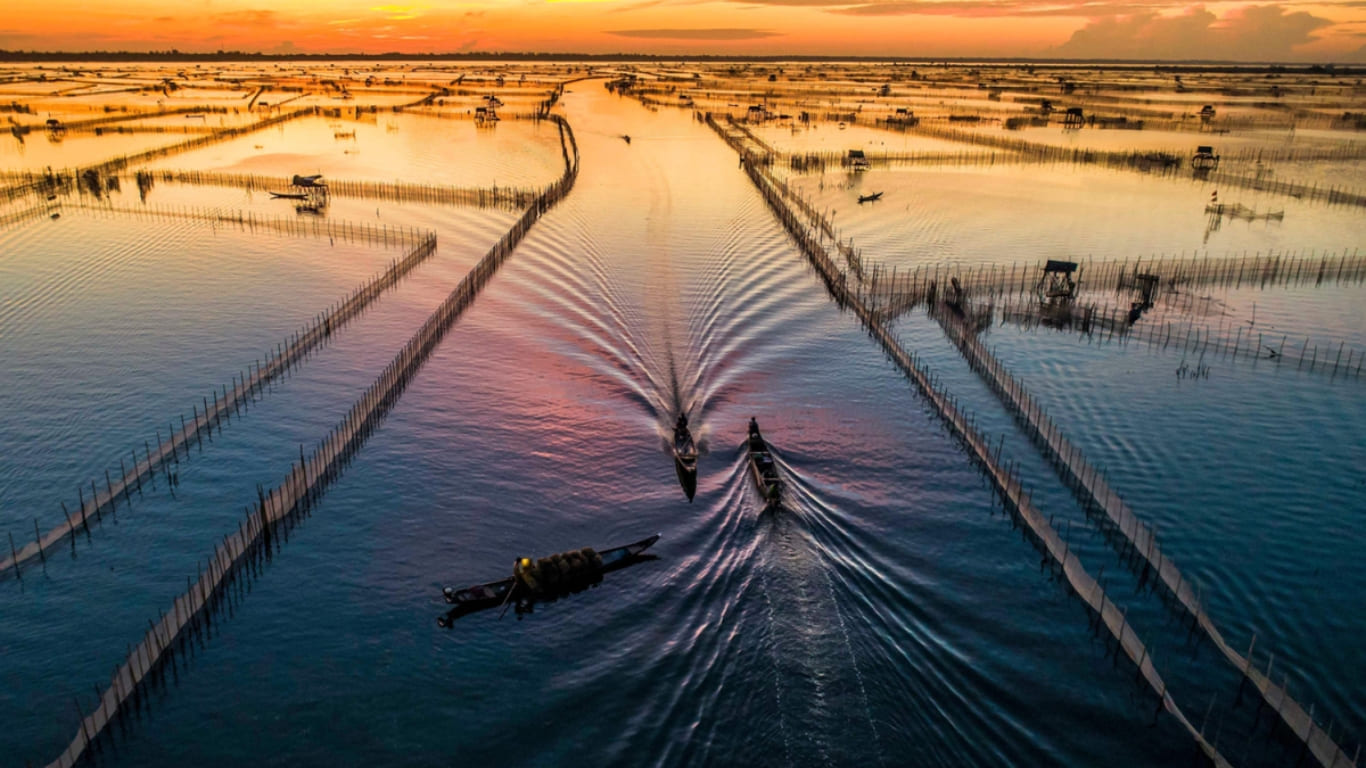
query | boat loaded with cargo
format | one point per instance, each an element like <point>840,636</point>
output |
<point>545,578</point>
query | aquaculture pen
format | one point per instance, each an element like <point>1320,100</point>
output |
<point>304,481</point>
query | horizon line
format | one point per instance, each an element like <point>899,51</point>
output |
<point>172,54</point>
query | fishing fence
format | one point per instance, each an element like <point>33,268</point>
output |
<point>245,387</point>
<point>302,485</point>
<point>1005,482</point>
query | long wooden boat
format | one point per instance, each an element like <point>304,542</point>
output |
<point>289,195</point>
<point>573,571</point>
<point>762,468</point>
<point>685,460</point>
<point>873,198</point>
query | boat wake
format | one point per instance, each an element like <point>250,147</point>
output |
<point>809,637</point>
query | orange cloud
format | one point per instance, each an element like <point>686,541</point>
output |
<point>1266,32</point>
<point>714,33</point>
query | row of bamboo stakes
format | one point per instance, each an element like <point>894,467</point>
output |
<point>9,218</point>
<point>893,291</point>
<point>1178,274</point>
<point>836,102</point>
<point>1021,150</point>
<point>303,484</point>
<point>119,117</point>
<point>287,354</point>
<point>125,161</point>
<point>1230,340</point>
<point>346,230</point>
<point>1345,152</point>
<point>1092,489</point>
<point>38,182</point>
<point>1024,148</point>
<point>1005,481</point>
<point>1274,269</point>
<point>126,130</point>
<point>1047,154</point>
<point>511,198</point>
<point>1089,484</point>
<point>1330,194</point>
<point>246,386</point>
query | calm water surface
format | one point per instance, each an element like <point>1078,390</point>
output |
<point>888,615</point>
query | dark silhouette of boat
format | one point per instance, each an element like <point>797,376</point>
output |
<point>762,468</point>
<point>873,198</point>
<point>685,456</point>
<point>305,187</point>
<point>545,579</point>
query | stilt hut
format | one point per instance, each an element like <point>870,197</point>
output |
<point>1204,158</point>
<point>1056,288</point>
<point>485,117</point>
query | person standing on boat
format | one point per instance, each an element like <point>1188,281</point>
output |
<point>681,427</point>
<point>753,426</point>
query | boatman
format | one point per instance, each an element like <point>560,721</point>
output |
<point>525,571</point>
<point>753,426</point>
<point>681,426</point>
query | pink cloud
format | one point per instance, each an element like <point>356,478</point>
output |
<point>1253,33</point>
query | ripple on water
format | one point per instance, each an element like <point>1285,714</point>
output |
<point>884,616</point>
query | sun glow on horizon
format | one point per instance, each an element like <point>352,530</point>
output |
<point>929,28</point>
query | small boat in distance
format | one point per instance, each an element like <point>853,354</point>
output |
<point>545,578</point>
<point>311,188</point>
<point>685,456</point>
<point>873,198</point>
<point>762,468</point>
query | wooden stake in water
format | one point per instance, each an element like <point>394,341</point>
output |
<point>14,556</point>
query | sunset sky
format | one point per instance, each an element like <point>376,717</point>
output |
<point>1139,29</point>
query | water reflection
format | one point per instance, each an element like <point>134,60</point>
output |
<point>882,613</point>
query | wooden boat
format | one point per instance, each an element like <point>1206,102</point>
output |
<point>762,468</point>
<point>289,195</point>
<point>555,575</point>
<point>685,458</point>
<point>869,198</point>
<point>685,450</point>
